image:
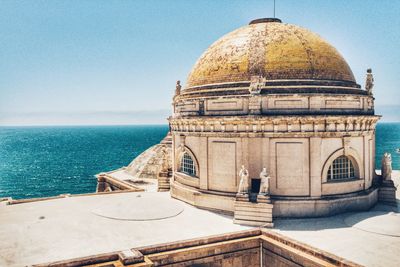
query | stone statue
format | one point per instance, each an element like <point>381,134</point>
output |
<point>244,181</point>
<point>348,126</point>
<point>256,83</point>
<point>178,88</point>
<point>386,167</point>
<point>369,82</point>
<point>264,186</point>
<point>164,166</point>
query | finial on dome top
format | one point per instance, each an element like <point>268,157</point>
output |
<point>265,20</point>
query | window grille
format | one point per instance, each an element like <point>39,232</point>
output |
<point>187,165</point>
<point>341,168</point>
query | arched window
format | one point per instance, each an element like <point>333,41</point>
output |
<point>187,165</point>
<point>341,169</point>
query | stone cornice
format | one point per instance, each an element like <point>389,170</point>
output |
<point>330,90</point>
<point>352,125</point>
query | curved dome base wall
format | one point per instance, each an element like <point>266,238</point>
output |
<point>306,164</point>
<point>283,208</point>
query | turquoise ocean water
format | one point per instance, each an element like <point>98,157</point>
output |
<point>387,140</point>
<point>48,161</point>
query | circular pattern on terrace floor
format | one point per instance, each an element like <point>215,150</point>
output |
<point>378,222</point>
<point>140,207</point>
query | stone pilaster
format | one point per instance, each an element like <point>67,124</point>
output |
<point>315,166</point>
<point>203,157</point>
<point>255,105</point>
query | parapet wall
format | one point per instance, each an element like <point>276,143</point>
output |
<point>257,247</point>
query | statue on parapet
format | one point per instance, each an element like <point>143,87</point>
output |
<point>264,186</point>
<point>178,88</point>
<point>244,181</point>
<point>386,167</point>
<point>369,82</point>
<point>256,83</point>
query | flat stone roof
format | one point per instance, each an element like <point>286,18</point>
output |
<point>359,244</point>
<point>369,238</point>
<point>58,229</point>
<point>77,226</point>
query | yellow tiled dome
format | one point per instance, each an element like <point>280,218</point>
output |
<point>275,50</point>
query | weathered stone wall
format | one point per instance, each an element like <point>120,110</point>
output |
<point>240,249</point>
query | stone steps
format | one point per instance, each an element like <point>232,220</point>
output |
<point>387,192</point>
<point>254,223</point>
<point>252,217</point>
<point>261,212</point>
<point>253,214</point>
<point>164,181</point>
<point>253,206</point>
<point>387,195</point>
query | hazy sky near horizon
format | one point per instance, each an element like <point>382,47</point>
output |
<point>116,62</point>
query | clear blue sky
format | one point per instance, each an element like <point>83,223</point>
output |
<point>116,62</point>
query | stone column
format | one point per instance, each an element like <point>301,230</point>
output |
<point>315,166</point>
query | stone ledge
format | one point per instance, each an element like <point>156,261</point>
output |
<point>82,261</point>
<point>267,235</point>
<point>253,217</point>
<point>130,256</point>
<point>11,201</point>
<point>115,183</point>
<point>240,245</point>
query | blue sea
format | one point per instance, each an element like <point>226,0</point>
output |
<point>48,161</point>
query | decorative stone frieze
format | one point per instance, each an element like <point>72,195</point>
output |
<point>262,124</point>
